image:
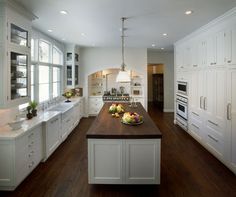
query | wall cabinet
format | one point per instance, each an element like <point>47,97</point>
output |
<point>51,135</point>
<point>21,156</point>
<point>119,161</point>
<point>72,66</point>
<point>230,47</point>
<point>15,39</point>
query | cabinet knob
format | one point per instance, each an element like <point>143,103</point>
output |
<point>229,61</point>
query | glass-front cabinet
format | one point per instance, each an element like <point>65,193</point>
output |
<point>15,37</point>
<point>72,66</point>
<point>18,56</point>
<point>19,75</point>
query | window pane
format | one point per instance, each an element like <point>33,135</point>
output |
<point>43,51</point>
<point>56,89</point>
<point>56,74</point>
<point>43,74</point>
<point>43,92</point>
<point>32,49</point>
<point>57,56</point>
<point>32,93</point>
<point>32,74</point>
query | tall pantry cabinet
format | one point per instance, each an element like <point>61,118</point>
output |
<point>211,64</point>
<point>15,31</point>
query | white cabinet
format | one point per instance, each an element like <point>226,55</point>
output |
<point>15,39</point>
<point>139,100</point>
<point>72,66</point>
<point>202,50</point>
<point>51,135</point>
<point>19,157</point>
<point>230,47</point>
<point>67,123</point>
<point>231,118</point>
<point>215,49</point>
<point>142,161</point>
<point>120,161</point>
<point>95,105</point>
<point>105,161</point>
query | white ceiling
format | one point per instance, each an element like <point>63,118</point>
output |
<point>100,20</point>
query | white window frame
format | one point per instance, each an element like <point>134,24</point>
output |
<point>36,63</point>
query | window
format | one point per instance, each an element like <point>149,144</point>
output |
<point>44,50</point>
<point>46,72</point>
<point>43,83</point>
<point>56,56</point>
<point>32,82</point>
<point>56,81</point>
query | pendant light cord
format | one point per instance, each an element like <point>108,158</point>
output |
<point>123,41</point>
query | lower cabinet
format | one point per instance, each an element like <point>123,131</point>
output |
<point>95,105</point>
<point>120,161</point>
<point>67,123</point>
<point>51,135</point>
<point>19,157</point>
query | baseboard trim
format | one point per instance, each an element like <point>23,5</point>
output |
<point>168,110</point>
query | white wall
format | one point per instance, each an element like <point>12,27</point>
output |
<point>94,59</point>
<point>166,58</point>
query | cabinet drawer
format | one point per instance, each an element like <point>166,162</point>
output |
<point>195,128</point>
<point>214,142</point>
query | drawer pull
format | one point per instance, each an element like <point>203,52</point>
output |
<point>212,63</point>
<point>195,113</point>
<point>213,123</point>
<point>201,106</point>
<point>195,65</point>
<point>213,138</point>
<point>229,61</point>
<point>205,103</point>
<point>229,117</point>
<point>195,126</point>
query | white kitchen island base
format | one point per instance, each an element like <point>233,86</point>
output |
<point>124,161</point>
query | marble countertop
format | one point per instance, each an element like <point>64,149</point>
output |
<point>6,133</point>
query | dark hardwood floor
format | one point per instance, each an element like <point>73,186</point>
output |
<point>187,169</point>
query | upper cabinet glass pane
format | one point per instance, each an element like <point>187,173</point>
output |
<point>57,56</point>
<point>19,36</point>
<point>19,79</point>
<point>44,51</point>
<point>32,50</point>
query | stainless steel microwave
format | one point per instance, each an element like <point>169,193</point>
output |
<point>182,87</point>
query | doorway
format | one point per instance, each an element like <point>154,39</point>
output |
<point>156,85</point>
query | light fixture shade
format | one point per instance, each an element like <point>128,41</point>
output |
<point>123,77</point>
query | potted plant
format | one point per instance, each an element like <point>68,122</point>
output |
<point>33,105</point>
<point>29,115</point>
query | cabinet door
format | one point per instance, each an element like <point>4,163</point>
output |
<point>202,51</point>
<point>179,57</point>
<point>52,135</point>
<point>194,55</point>
<point>6,163</point>
<point>211,50</point>
<point>232,119</point>
<point>219,48</point>
<point>142,162</point>
<point>230,46</point>
<point>105,158</point>
<point>38,136</point>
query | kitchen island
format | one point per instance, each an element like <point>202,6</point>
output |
<point>123,154</point>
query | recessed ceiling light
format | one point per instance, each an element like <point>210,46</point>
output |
<point>49,30</point>
<point>82,34</point>
<point>63,12</point>
<point>63,39</point>
<point>162,48</point>
<point>153,45</point>
<point>188,12</point>
<point>164,34</point>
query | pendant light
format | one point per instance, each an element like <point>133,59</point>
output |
<point>123,76</point>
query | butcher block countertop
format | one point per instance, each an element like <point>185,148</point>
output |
<point>107,127</point>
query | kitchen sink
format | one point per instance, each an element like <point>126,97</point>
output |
<point>62,107</point>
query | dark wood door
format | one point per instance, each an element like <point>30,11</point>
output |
<point>158,90</point>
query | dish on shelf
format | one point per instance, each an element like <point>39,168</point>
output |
<point>132,118</point>
<point>116,108</point>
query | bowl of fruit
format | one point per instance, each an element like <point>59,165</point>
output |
<point>116,108</point>
<point>132,118</point>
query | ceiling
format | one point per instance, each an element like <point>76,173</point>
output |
<point>100,20</point>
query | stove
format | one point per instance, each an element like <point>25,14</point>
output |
<point>122,98</point>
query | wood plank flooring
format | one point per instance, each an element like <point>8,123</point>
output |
<point>187,169</point>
